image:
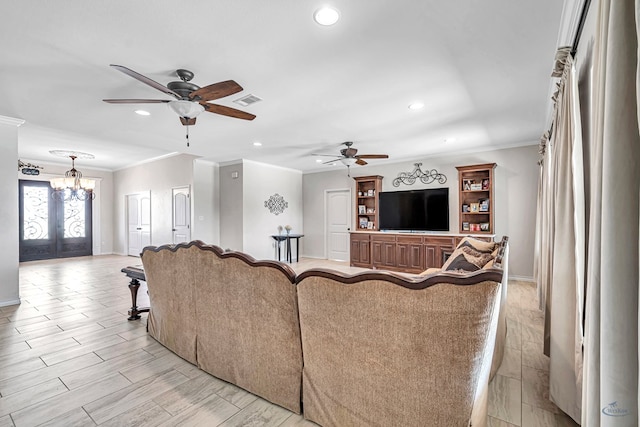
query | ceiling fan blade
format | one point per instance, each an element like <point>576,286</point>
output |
<point>326,155</point>
<point>216,90</point>
<point>187,121</point>
<point>146,80</point>
<point>331,161</point>
<point>227,111</point>
<point>372,156</point>
<point>350,152</point>
<point>361,162</point>
<point>136,101</point>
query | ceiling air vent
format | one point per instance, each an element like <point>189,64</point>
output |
<point>247,100</point>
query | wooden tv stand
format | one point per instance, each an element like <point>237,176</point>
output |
<point>405,252</point>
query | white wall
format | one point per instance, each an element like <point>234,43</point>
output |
<point>516,181</point>
<point>245,223</point>
<point>205,197</point>
<point>231,220</point>
<point>158,177</point>
<point>9,255</point>
<point>262,181</point>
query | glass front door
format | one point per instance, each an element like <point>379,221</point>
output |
<point>52,228</point>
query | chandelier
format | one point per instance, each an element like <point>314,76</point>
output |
<point>73,186</point>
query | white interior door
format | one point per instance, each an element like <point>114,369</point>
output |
<point>138,222</point>
<point>181,215</point>
<point>338,214</point>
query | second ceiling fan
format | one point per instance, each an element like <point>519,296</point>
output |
<point>349,156</point>
<point>191,100</point>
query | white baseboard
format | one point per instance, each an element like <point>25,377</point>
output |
<point>312,257</point>
<point>522,278</point>
<point>9,302</point>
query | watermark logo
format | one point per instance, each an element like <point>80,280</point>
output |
<point>612,410</point>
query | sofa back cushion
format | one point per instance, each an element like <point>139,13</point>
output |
<point>170,276</point>
<point>248,328</point>
<point>379,353</point>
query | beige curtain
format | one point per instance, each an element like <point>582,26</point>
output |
<point>561,252</point>
<point>611,356</point>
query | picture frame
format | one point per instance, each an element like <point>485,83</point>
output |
<point>370,225</point>
<point>363,222</point>
<point>465,226</point>
<point>476,187</point>
<point>362,209</point>
<point>484,226</point>
<point>484,205</point>
<point>465,208</point>
<point>474,207</point>
<point>370,193</point>
<point>466,184</point>
<point>370,211</point>
<point>485,184</point>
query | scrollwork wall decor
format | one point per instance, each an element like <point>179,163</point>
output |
<point>409,178</point>
<point>276,204</point>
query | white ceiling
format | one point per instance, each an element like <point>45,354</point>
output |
<point>482,69</point>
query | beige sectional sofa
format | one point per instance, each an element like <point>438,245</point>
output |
<point>375,348</point>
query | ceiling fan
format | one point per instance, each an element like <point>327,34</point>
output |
<point>191,99</point>
<point>348,156</point>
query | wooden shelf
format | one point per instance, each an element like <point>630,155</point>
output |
<point>478,175</point>
<point>364,185</point>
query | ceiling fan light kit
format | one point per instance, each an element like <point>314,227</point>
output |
<point>187,109</point>
<point>349,156</point>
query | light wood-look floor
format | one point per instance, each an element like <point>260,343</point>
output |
<point>69,357</point>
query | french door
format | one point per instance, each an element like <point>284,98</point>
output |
<point>52,228</point>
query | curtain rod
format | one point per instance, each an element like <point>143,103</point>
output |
<point>583,17</point>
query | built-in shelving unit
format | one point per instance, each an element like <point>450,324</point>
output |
<point>475,198</point>
<point>367,192</point>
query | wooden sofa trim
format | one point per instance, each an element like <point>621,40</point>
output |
<point>490,274</point>
<point>502,248</point>
<point>221,253</point>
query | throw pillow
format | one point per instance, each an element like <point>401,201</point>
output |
<point>478,245</point>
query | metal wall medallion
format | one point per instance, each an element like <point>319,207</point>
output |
<point>276,204</point>
<point>409,178</point>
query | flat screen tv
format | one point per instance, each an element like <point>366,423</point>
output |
<point>415,210</point>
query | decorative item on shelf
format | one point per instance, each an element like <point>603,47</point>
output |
<point>466,184</point>
<point>484,226</point>
<point>409,178</point>
<point>474,207</point>
<point>475,227</point>
<point>371,211</point>
<point>370,225</point>
<point>28,168</point>
<point>276,204</point>
<point>476,187</point>
<point>73,186</point>
<point>362,209</point>
<point>484,205</point>
<point>279,230</point>
<point>465,208</point>
<point>485,184</point>
<point>465,226</point>
<point>371,192</point>
<point>287,228</point>
<point>363,221</point>
<point>359,193</point>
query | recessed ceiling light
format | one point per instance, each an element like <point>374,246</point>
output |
<point>143,113</point>
<point>326,16</point>
<point>318,160</point>
<point>416,105</point>
<point>450,140</point>
<point>257,144</point>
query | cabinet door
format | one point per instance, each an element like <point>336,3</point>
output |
<point>360,250</point>
<point>410,253</point>
<point>435,248</point>
<point>389,254</point>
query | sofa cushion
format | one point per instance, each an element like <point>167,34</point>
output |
<point>478,245</point>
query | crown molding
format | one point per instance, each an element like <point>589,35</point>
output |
<point>4,120</point>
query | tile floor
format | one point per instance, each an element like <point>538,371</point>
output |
<point>69,357</point>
